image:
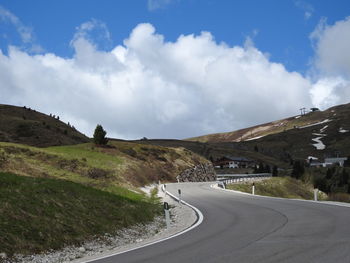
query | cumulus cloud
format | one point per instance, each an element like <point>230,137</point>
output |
<point>151,87</point>
<point>332,44</point>
<point>154,88</point>
<point>331,63</point>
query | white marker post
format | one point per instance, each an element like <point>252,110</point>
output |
<point>164,190</point>
<point>167,215</point>
<point>253,189</point>
<point>179,191</point>
<point>315,194</point>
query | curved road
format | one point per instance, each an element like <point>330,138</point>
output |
<point>243,228</point>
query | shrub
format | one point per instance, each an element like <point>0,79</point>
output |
<point>100,135</point>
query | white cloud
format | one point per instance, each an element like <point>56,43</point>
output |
<point>328,92</point>
<point>157,4</point>
<point>332,47</point>
<point>25,32</point>
<point>331,63</point>
<point>154,88</point>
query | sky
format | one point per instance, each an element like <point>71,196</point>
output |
<point>173,68</point>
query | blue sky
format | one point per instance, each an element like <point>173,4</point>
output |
<point>281,28</point>
<point>294,35</point>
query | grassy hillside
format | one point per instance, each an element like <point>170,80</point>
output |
<point>217,150</point>
<point>285,187</point>
<point>120,164</point>
<point>37,214</point>
<point>27,126</point>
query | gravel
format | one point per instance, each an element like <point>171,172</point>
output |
<point>181,216</point>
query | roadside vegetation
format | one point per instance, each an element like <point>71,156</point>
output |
<point>112,168</point>
<point>38,214</point>
<point>285,187</point>
<point>333,183</point>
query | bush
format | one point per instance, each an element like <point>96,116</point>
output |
<point>97,173</point>
<point>100,136</point>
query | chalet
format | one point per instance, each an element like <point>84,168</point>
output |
<point>234,162</point>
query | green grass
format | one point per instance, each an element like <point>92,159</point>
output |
<point>285,187</point>
<point>37,214</point>
<point>95,156</point>
<point>120,164</point>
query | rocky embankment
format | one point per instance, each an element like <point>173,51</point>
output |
<point>200,173</point>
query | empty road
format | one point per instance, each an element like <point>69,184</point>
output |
<point>243,228</point>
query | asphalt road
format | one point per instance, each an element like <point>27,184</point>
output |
<point>242,228</point>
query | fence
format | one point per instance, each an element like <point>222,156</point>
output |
<point>223,179</point>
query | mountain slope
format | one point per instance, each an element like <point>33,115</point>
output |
<point>26,126</point>
<point>324,134</point>
<point>339,113</point>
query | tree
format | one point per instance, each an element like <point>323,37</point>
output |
<point>267,169</point>
<point>100,135</point>
<point>275,171</point>
<point>298,169</point>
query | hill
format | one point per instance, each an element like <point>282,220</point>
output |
<point>319,134</point>
<point>339,114</point>
<point>57,191</point>
<point>213,151</point>
<point>120,164</point>
<point>27,126</point>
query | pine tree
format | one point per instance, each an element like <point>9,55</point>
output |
<point>275,171</point>
<point>298,169</point>
<point>347,162</point>
<point>100,135</point>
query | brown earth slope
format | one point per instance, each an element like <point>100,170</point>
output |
<point>27,126</point>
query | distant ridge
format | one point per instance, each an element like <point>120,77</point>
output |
<point>27,126</point>
<point>274,127</point>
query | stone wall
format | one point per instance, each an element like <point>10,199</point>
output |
<point>199,173</point>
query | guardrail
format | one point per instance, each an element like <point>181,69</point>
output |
<point>223,179</point>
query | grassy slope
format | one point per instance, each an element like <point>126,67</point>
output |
<point>285,187</point>
<point>122,164</point>
<point>37,214</point>
<point>218,150</point>
<point>20,125</point>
